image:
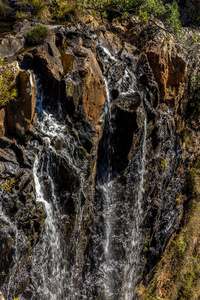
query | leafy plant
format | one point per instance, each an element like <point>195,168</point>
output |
<point>2,9</point>
<point>7,184</point>
<point>167,13</point>
<point>37,35</point>
<point>7,83</point>
<point>181,245</point>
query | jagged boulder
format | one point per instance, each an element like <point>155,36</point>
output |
<point>22,26</point>
<point>10,45</point>
<point>169,66</point>
<point>21,218</point>
<point>83,89</point>
<point>20,113</point>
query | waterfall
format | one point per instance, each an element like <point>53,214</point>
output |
<point>131,265</point>
<point>107,190</point>
<point>47,257</point>
<point>116,232</point>
<point>52,276</point>
<point>111,271</point>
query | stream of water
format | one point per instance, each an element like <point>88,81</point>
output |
<point>116,235</point>
<point>116,254</point>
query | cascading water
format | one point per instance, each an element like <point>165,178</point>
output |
<point>116,233</point>
<point>48,274</point>
<point>112,268</point>
<point>131,264</point>
<point>47,257</point>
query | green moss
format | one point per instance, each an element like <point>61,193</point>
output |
<point>146,246</point>
<point>177,275</point>
<point>165,162</point>
<point>181,244</point>
<point>7,185</point>
<point>7,84</point>
<point>37,35</point>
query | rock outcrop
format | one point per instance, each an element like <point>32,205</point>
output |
<point>20,113</point>
<point>120,126</point>
<point>10,45</point>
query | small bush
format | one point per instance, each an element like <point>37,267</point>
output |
<point>7,84</point>
<point>2,9</point>
<point>65,10</point>
<point>37,35</point>
<point>167,13</point>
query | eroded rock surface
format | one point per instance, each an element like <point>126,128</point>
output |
<point>117,110</point>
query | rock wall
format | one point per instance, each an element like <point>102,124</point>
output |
<point>71,69</point>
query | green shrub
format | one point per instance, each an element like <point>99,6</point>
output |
<point>37,35</point>
<point>65,10</point>
<point>168,13</point>
<point>2,9</point>
<point>7,84</point>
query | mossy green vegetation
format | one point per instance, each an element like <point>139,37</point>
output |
<point>177,275</point>
<point>7,83</point>
<point>37,35</point>
<point>7,185</point>
<point>168,13</point>
<point>2,8</point>
<point>73,10</point>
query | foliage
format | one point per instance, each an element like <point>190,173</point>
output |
<point>146,9</point>
<point>64,10</point>
<point>68,9</point>
<point>165,162</point>
<point>167,13</point>
<point>177,275</point>
<point>7,185</point>
<point>37,35</point>
<point>146,246</point>
<point>181,244</point>
<point>194,101</point>
<point>7,84</point>
<point>2,8</point>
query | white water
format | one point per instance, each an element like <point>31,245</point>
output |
<point>110,264</point>
<point>107,193</point>
<point>130,270</point>
<point>49,274</point>
<point>18,242</point>
<point>47,270</point>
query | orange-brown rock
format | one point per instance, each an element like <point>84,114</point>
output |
<point>47,57</point>
<point>20,113</point>
<point>169,67</point>
<point>2,121</point>
<point>166,58</point>
<point>93,85</point>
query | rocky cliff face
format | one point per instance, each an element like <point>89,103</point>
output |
<point>96,156</point>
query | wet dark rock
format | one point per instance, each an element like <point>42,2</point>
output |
<point>23,26</point>
<point>60,38</point>
<point>10,45</point>
<point>21,112</point>
<point>137,149</point>
<point>128,102</point>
